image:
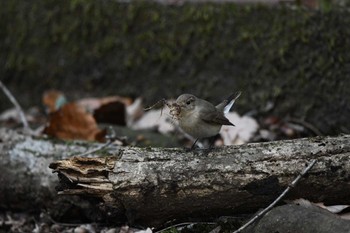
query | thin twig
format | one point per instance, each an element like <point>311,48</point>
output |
<point>162,101</point>
<point>292,185</point>
<point>307,125</point>
<point>109,142</point>
<point>17,106</point>
<point>111,136</point>
<point>183,225</point>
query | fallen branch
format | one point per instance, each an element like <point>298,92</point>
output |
<point>17,106</point>
<point>159,187</point>
<point>152,186</point>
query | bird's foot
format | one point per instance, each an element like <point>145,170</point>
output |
<point>206,151</point>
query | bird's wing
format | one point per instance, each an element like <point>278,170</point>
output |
<point>217,119</point>
<point>211,115</point>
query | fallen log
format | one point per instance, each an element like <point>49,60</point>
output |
<point>166,183</point>
<point>27,183</point>
<point>152,186</point>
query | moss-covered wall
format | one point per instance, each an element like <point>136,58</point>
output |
<point>298,59</point>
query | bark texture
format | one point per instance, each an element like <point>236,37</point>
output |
<point>27,182</point>
<point>154,185</point>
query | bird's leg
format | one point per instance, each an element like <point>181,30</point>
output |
<point>192,147</point>
<point>194,144</point>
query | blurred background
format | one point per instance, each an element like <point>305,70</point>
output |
<point>289,58</point>
<point>84,69</point>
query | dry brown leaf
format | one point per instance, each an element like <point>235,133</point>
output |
<point>73,122</point>
<point>91,104</point>
<point>111,113</point>
<point>111,109</point>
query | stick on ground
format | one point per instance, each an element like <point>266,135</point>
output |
<point>17,106</point>
<point>292,185</point>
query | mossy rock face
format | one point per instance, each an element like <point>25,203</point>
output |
<point>296,59</point>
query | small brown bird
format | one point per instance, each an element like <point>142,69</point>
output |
<point>200,118</point>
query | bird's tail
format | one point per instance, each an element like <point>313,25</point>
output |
<point>231,100</point>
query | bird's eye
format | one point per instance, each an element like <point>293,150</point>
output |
<point>188,102</point>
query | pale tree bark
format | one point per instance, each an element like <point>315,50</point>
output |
<point>154,185</point>
<point>27,182</point>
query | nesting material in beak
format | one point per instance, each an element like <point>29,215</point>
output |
<point>175,110</point>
